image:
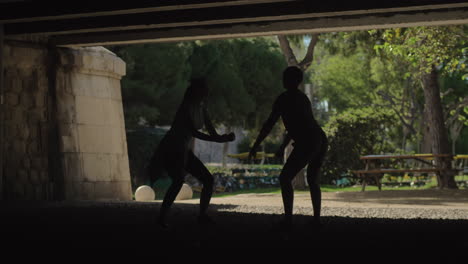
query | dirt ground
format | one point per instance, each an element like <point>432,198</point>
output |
<point>430,199</point>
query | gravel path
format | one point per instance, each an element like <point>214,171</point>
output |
<point>370,220</point>
<point>428,204</point>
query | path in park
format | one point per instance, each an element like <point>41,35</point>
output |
<point>372,220</point>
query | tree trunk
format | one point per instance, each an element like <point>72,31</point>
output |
<point>426,142</point>
<point>226,148</point>
<point>438,131</point>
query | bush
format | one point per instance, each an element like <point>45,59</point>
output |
<point>354,133</point>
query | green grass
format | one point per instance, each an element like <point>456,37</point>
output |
<point>325,188</point>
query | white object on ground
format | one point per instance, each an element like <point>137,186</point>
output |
<point>144,193</point>
<point>185,193</point>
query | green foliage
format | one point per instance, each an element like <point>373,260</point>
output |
<point>424,47</point>
<point>157,76</point>
<point>354,133</point>
<point>344,81</point>
<point>244,77</point>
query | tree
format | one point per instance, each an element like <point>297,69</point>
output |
<point>157,76</point>
<point>431,50</point>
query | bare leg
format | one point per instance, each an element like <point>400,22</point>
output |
<point>295,163</point>
<point>169,197</point>
<point>199,171</point>
<point>313,178</point>
<point>315,192</point>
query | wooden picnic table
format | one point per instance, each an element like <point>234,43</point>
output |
<point>372,169</point>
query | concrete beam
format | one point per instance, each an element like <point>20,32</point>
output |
<point>31,11</point>
<point>220,15</point>
<point>412,18</point>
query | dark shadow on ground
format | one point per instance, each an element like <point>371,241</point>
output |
<point>131,225</point>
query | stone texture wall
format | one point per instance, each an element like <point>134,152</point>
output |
<point>91,124</point>
<point>91,139</point>
<point>26,124</point>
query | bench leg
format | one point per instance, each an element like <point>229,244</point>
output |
<point>363,184</point>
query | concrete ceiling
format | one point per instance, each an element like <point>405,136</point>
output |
<point>86,23</point>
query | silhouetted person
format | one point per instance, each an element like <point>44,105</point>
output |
<point>310,143</point>
<point>175,156</point>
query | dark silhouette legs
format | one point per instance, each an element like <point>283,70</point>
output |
<point>298,159</point>
<point>296,162</point>
<point>315,192</point>
<point>196,168</point>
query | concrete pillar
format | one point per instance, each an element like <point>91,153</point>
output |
<point>91,125</point>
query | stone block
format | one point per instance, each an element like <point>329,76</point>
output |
<point>84,191</point>
<point>101,139</point>
<point>22,176</point>
<point>26,163</point>
<point>116,116</point>
<point>104,190</point>
<point>93,111</point>
<point>37,163</point>
<point>34,177</point>
<point>66,108</point>
<point>69,138</point>
<point>19,146</point>
<point>90,85</point>
<point>118,141</point>
<point>15,85</point>
<point>91,138</point>
<point>33,148</point>
<point>22,131</point>
<point>97,62</point>
<point>18,115</point>
<point>119,66</point>
<point>43,176</point>
<point>96,167</point>
<point>119,166</point>
<point>123,190</point>
<point>36,115</point>
<point>115,89</point>
<point>11,99</point>
<point>72,167</point>
<point>40,100</point>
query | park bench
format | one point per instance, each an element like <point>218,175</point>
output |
<point>375,172</point>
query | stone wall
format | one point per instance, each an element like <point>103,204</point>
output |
<point>26,124</point>
<point>85,128</point>
<point>91,124</point>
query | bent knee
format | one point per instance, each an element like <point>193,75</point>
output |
<point>284,179</point>
<point>208,182</point>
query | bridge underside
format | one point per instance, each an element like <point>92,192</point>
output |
<point>99,23</point>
